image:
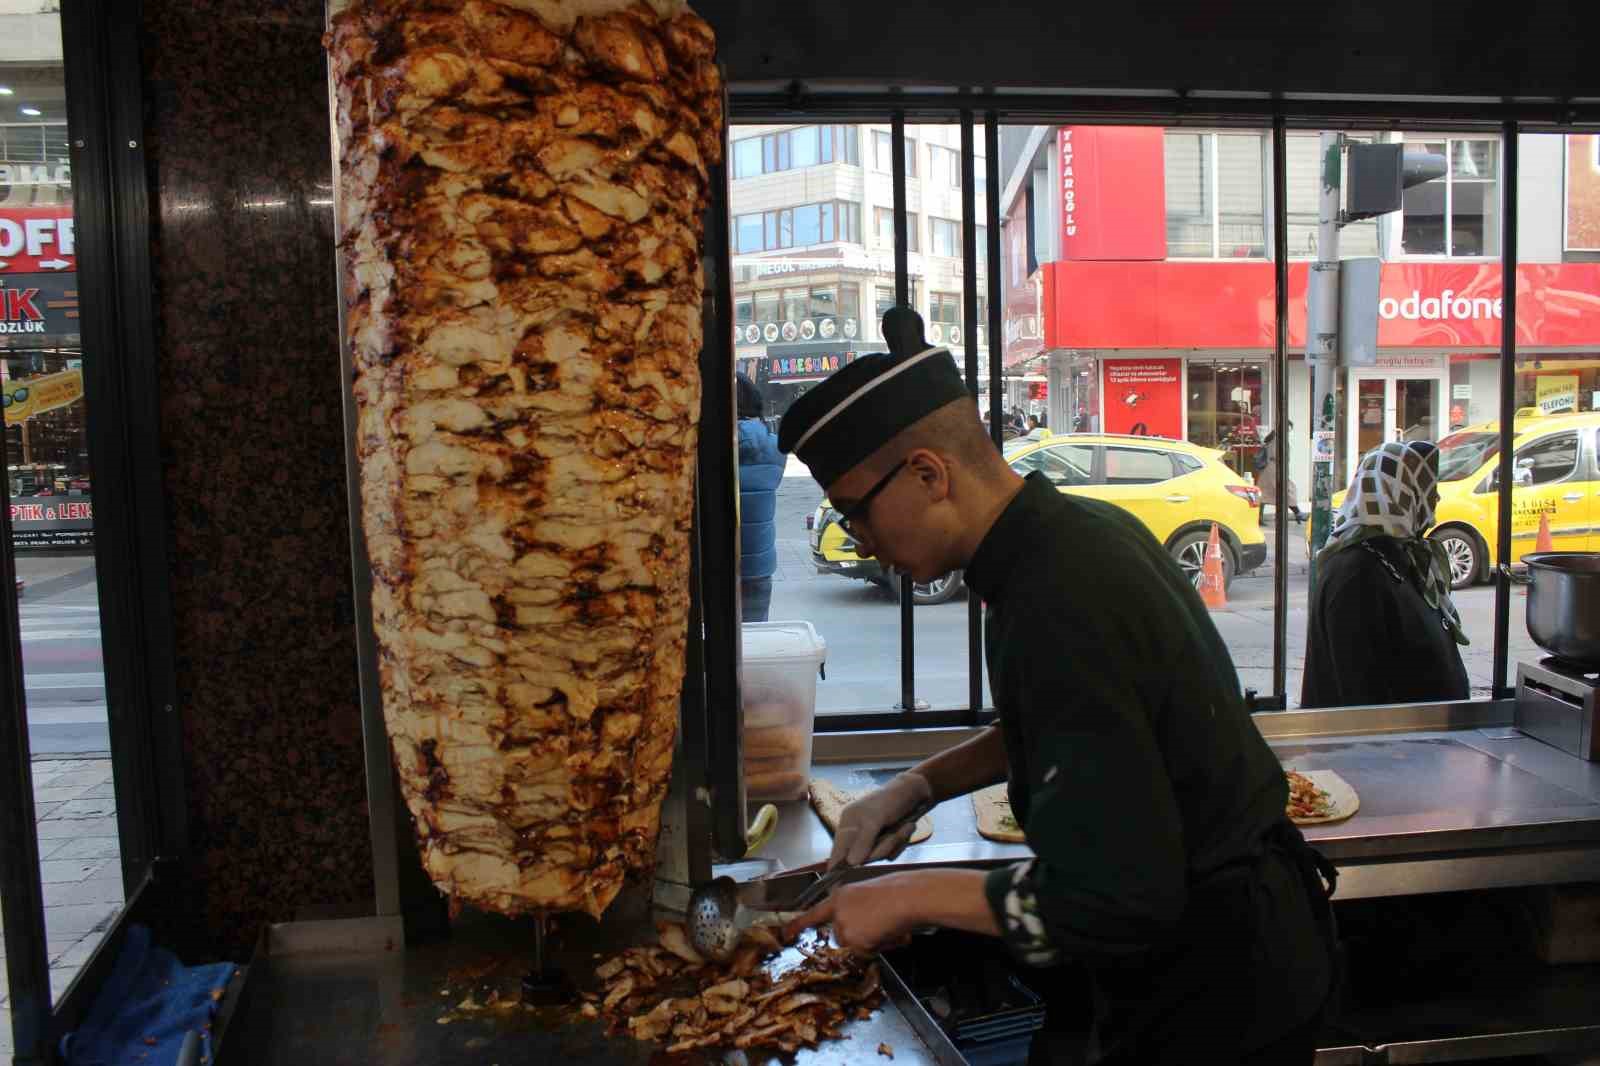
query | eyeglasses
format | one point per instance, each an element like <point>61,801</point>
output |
<point>848,519</point>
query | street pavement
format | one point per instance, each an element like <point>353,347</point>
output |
<point>61,663</point>
<point>80,867</point>
<point>861,624</point>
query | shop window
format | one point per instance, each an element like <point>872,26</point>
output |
<point>944,307</point>
<point>944,166</point>
<point>1459,216</point>
<point>796,303</point>
<point>883,223</point>
<point>886,301</point>
<point>944,236</point>
<point>744,312</point>
<point>1225,408</point>
<point>983,250</point>
<point>766,308</point>
<point>1137,466</point>
<point>1216,203</point>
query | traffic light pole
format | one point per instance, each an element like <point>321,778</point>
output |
<point>1322,346</point>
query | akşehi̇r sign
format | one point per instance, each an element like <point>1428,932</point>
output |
<point>802,362</point>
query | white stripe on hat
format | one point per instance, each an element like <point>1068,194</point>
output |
<point>839,407</point>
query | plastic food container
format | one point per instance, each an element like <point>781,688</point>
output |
<point>782,661</point>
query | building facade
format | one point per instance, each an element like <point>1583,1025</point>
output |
<point>813,246</point>
<point>1139,284</point>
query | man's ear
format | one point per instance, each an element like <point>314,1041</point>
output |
<point>932,472</point>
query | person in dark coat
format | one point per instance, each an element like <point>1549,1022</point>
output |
<point>1382,627</point>
<point>1163,863</point>
<point>760,473</point>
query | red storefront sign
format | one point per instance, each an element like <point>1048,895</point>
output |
<point>37,240</point>
<point>1143,396</point>
<point>1113,192</point>
<point>1230,305</point>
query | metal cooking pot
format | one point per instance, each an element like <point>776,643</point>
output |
<point>1564,605</point>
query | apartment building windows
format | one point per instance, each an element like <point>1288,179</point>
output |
<point>1459,216</point>
<point>807,146</point>
<point>944,166</point>
<point>883,224</point>
<point>883,153</point>
<point>1216,195</point>
<point>798,227</point>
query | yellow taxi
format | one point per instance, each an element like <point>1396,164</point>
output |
<point>1175,488</point>
<point>1553,459</point>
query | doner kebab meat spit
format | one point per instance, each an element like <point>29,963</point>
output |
<point>522,185</point>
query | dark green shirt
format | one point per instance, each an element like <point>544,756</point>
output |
<point>1134,767</point>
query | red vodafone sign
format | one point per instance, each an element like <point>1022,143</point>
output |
<point>1177,304</point>
<point>37,240</point>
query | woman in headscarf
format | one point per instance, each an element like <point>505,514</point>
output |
<point>1382,626</point>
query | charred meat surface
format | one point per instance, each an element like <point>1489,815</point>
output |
<point>522,185</point>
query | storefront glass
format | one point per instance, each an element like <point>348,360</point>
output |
<point>799,316</point>
<point>1227,409</point>
<point>49,483</point>
<point>1434,378</point>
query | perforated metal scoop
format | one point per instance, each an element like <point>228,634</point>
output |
<point>713,909</point>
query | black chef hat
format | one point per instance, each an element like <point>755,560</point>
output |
<point>861,407</point>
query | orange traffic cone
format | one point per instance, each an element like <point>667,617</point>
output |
<point>1544,543</point>
<point>1213,587</point>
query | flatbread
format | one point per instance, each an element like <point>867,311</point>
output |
<point>1341,801</point>
<point>829,801</point>
<point>992,806</point>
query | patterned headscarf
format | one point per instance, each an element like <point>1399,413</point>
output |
<point>1392,496</point>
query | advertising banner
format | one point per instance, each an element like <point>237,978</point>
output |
<point>43,522</point>
<point>1144,397</point>
<point>1556,392</point>
<point>25,397</point>
<point>37,306</point>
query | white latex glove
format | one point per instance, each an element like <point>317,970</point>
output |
<point>895,807</point>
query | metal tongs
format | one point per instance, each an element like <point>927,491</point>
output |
<point>713,907</point>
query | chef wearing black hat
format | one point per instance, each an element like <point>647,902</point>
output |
<point>1164,864</point>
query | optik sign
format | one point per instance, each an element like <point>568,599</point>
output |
<point>39,305</point>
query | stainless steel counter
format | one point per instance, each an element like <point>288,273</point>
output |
<point>1441,810</point>
<point>318,996</point>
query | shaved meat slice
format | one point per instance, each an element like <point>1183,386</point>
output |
<point>609,969</point>
<point>619,992</point>
<point>740,1006</point>
<point>521,191</point>
<point>675,938</point>
<point>725,998</point>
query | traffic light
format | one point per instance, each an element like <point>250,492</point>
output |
<point>1379,174</point>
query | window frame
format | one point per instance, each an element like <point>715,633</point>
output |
<point>1213,184</point>
<point>1397,248</point>
<point>1226,115</point>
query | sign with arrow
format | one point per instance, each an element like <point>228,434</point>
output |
<point>37,238</point>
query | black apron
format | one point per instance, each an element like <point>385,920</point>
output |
<point>1202,997</point>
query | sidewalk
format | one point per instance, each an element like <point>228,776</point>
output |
<point>80,868</point>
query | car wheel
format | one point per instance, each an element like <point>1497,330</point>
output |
<point>939,590</point>
<point>1189,551</point>
<point>1461,548</point>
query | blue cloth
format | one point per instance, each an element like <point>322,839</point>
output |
<point>760,473</point>
<point>147,1006</point>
